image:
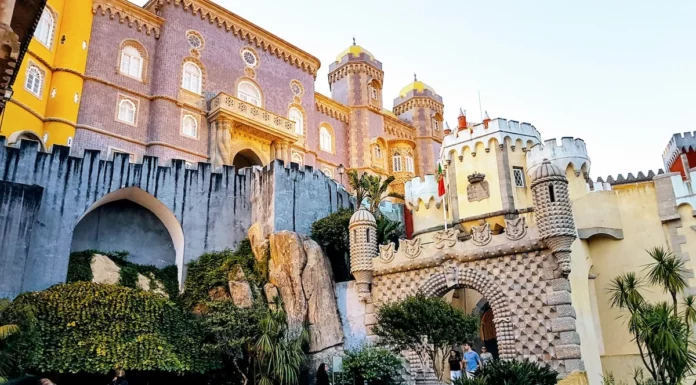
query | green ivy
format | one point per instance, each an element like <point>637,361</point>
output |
<point>370,365</point>
<point>79,269</point>
<point>331,233</point>
<point>94,328</point>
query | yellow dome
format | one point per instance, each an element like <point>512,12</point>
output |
<point>416,85</point>
<point>356,50</point>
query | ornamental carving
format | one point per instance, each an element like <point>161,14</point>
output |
<point>386,252</point>
<point>412,248</point>
<point>481,235</point>
<point>515,229</point>
<point>445,238</point>
<point>478,189</point>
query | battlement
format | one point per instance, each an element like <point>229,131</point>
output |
<point>571,151</point>
<point>422,190</point>
<point>606,184</point>
<point>677,144</point>
<point>498,131</point>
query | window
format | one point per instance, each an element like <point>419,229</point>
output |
<point>296,116</point>
<point>34,81</point>
<point>327,172</point>
<point>374,93</point>
<point>396,163</point>
<point>297,158</point>
<point>409,163</point>
<point>189,126</point>
<point>126,111</point>
<point>44,30</point>
<point>131,62</point>
<point>552,195</point>
<point>249,57</point>
<point>249,93</point>
<point>436,125</point>
<point>325,139</point>
<point>378,152</point>
<point>194,40</point>
<point>192,78</point>
<point>518,175</point>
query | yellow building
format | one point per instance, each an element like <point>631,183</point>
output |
<point>48,88</point>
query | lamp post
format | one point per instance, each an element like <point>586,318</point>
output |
<point>341,171</point>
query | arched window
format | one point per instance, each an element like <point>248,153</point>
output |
<point>189,126</point>
<point>34,81</point>
<point>296,116</point>
<point>409,163</point>
<point>378,152</point>
<point>297,158</point>
<point>327,172</point>
<point>44,30</point>
<point>552,195</point>
<point>249,93</point>
<point>396,162</point>
<point>192,79</point>
<point>325,139</point>
<point>126,111</point>
<point>131,62</point>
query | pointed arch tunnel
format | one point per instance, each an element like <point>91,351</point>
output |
<point>158,209</point>
<point>454,277</point>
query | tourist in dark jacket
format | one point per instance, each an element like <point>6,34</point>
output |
<point>322,375</point>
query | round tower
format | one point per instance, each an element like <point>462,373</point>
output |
<point>553,211</point>
<point>356,78</point>
<point>363,248</point>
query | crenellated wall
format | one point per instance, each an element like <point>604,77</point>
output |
<point>571,151</point>
<point>202,210</point>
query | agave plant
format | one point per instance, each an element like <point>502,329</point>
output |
<point>388,230</point>
<point>513,372</point>
<point>279,355</point>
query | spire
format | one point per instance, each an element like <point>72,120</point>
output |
<point>486,119</point>
<point>354,40</point>
<point>448,130</point>
<point>462,119</point>
<point>415,78</point>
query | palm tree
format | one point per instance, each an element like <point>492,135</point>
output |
<point>388,230</point>
<point>667,271</point>
<point>377,191</point>
<point>358,183</point>
<point>5,358</point>
<point>689,312</point>
<point>279,355</point>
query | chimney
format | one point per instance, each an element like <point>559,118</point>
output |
<point>462,120</point>
<point>486,119</point>
<point>448,130</point>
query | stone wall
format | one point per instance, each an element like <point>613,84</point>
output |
<point>202,210</point>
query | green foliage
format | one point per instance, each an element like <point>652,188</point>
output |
<point>374,365</point>
<point>513,372</point>
<point>212,270</point>
<point>93,328</point>
<point>463,380</point>
<point>668,272</point>
<point>280,354</point>
<point>6,354</point>
<point>389,231</point>
<point>427,325</point>
<point>79,269</point>
<point>331,233</point>
<point>371,188</point>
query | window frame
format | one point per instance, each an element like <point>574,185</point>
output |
<point>40,75</point>
<point>138,55</point>
<point>51,28</point>
<point>326,132</point>
<point>245,96</point>
<point>378,152</point>
<point>199,74</point>
<point>196,123</point>
<point>410,167</point>
<point>299,128</point>
<point>134,103</point>
<point>327,172</point>
<point>396,161</point>
<point>299,161</point>
<point>515,170</point>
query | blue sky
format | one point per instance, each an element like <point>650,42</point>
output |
<point>619,74</point>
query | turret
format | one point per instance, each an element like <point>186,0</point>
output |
<point>363,248</point>
<point>356,78</point>
<point>553,211</point>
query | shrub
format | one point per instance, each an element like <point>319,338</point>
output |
<point>92,328</point>
<point>331,233</point>
<point>501,372</point>
<point>373,365</point>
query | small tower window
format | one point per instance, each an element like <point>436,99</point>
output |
<point>378,152</point>
<point>552,195</point>
<point>367,234</point>
<point>518,175</point>
<point>34,80</point>
<point>409,164</point>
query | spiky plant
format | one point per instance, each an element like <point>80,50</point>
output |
<point>689,312</point>
<point>359,185</point>
<point>6,358</point>
<point>280,356</point>
<point>668,272</point>
<point>377,191</point>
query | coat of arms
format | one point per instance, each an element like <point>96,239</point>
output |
<point>412,248</point>
<point>386,252</point>
<point>445,238</point>
<point>515,229</point>
<point>481,235</point>
<point>477,189</point>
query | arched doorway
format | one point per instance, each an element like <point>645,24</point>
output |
<point>130,219</point>
<point>246,158</point>
<point>14,139</point>
<point>472,302</point>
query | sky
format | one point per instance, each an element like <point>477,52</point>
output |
<point>621,75</point>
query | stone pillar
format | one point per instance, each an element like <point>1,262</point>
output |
<point>568,351</point>
<point>222,142</point>
<point>6,12</point>
<point>285,153</point>
<point>362,231</point>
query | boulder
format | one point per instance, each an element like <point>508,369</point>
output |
<point>288,260</point>
<point>104,270</point>
<point>240,290</point>
<point>259,244</point>
<point>271,293</point>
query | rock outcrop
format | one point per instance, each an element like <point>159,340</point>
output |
<point>300,273</point>
<point>104,270</point>
<point>240,290</point>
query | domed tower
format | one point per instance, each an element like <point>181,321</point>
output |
<point>419,105</point>
<point>363,248</point>
<point>356,78</point>
<point>553,211</point>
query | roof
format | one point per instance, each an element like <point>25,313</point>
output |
<point>356,50</point>
<point>415,85</point>
<point>362,217</point>
<point>545,170</point>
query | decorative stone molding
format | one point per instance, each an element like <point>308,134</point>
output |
<point>478,189</point>
<point>355,67</point>
<point>386,252</point>
<point>481,235</point>
<point>418,102</point>
<point>131,14</point>
<point>515,229</point>
<point>331,108</point>
<point>445,238</point>
<point>412,247</point>
<point>398,128</point>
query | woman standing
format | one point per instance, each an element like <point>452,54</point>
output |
<point>455,365</point>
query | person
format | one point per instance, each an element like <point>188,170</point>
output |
<point>322,375</point>
<point>46,381</point>
<point>120,378</point>
<point>472,360</point>
<point>486,356</point>
<point>455,365</point>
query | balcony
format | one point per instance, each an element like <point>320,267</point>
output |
<point>252,118</point>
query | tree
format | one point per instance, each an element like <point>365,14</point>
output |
<point>6,357</point>
<point>426,325</point>
<point>372,365</point>
<point>359,185</point>
<point>331,233</point>
<point>376,189</point>
<point>512,372</point>
<point>388,231</point>
<point>668,272</point>
<point>280,356</point>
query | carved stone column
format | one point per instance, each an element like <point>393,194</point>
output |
<point>222,129</point>
<point>285,151</point>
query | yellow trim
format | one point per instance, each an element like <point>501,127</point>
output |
<point>415,86</point>
<point>354,50</point>
<point>331,132</point>
<point>130,14</point>
<point>27,109</point>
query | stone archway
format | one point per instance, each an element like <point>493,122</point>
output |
<point>454,277</point>
<point>246,158</point>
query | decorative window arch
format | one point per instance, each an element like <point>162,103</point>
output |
<point>249,92</point>
<point>189,125</point>
<point>374,86</point>
<point>326,138</point>
<point>34,80</point>
<point>409,163</point>
<point>192,79</point>
<point>396,162</point>
<point>378,152</point>
<point>132,59</point>
<point>127,111</point>
<point>297,116</point>
<point>327,171</point>
<point>45,28</point>
<point>195,40</point>
<point>297,158</point>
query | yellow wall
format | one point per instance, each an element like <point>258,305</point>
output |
<point>55,116</point>
<point>486,163</point>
